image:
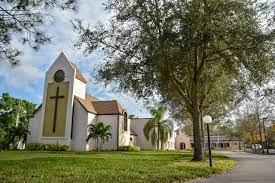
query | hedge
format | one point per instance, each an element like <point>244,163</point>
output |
<point>129,148</point>
<point>47,147</point>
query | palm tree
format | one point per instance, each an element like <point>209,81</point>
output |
<point>99,131</point>
<point>158,129</point>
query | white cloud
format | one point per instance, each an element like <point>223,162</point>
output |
<point>29,75</point>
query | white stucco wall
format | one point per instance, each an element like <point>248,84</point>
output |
<point>92,118</point>
<point>79,88</point>
<point>140,140</point>
<point>112,121</point>
<point>137,126</point>
<point>80,125</point>
<point>34,126</point>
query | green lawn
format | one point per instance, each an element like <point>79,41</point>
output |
<point>144,166</point>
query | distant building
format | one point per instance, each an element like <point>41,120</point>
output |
<point>221,142</point>
<point>182,140</point>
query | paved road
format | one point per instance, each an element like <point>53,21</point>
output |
<point>251,168</point>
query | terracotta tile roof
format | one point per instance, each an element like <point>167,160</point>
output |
<point>79,76</point>
<point>107,107</point>
<point>87,104</point>
<point>93,105</point>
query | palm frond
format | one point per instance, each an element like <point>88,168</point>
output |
<point>153,137</point>
<point>148,128</point>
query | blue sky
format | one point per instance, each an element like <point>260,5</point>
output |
<point>26,80</point>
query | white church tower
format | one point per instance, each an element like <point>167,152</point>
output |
<point>66,111</point>
<point>54,117</point>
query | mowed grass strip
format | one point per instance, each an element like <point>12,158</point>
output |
<point>144,166</point>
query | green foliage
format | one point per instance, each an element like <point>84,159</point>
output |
<point>134,148</point>
<point>47,147</point>
<point>129,148</point>
<point>26,20</point>
<point>57,147</point>
<point>14,116</point>
<point>99,131</point>
<point>123,167</point>
<point>36,146</point>
<point>123,148</point>
<point>196,56</point>
<point>156,129</point>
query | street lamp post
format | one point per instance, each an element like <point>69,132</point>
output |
<point>207,119</point>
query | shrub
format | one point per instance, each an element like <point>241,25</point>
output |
<point>35,146</point>
<point>47,147</point>
<point>123,148</point>
<point>134,148</point>
<point>129,148</point>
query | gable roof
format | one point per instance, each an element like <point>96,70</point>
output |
<point>107,107</point>
<point>78,74</point>
<point>86,104</point>
<point>95,106</point>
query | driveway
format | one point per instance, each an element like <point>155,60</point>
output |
<point>251,168</point>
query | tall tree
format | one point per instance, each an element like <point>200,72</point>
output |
<point>99,131</point>
<point>174,49</point>
<point>24,20</point>
<point>14,117</point>
<point>157,129</point>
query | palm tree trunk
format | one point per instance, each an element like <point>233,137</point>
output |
<point>158,137</point>
<point>96,143</point>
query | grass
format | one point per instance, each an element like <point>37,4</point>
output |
<point>144,166</point>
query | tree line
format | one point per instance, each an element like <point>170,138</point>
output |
<point>14,118</point>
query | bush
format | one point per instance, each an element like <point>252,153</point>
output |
<point>123,148</point>
<point>35,146</point>
<point>134,148</point>
<point>129,148</point>
<point>47,147</point>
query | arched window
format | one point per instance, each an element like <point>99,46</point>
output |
<point>125,121</point>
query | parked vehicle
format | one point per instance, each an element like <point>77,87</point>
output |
<point>256,147</point>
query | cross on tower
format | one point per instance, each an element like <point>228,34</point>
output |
<point>56,97</point>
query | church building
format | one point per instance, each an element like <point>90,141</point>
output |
<point>67,110</point>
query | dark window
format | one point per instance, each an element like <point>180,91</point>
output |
<point>59,76</point>
<point>125,121</point>
<point>182,145</point>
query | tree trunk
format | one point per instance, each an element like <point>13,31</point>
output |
<point>253,141</point>
<point>97,144</point>
<point>158,137</point>
<point>197,133</point>
<point>202,132</point>
<point>196,116</point>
